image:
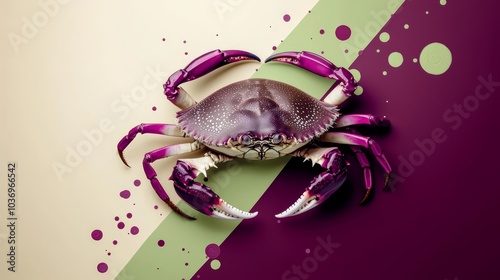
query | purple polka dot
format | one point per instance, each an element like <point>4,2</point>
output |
<point>96,235</point>
<point>274,48</point>
<point>138,182</point>
<point>155,207</point>
<point>186,53</point>
<point>102,267</point>
<point>121,225</point>
<point>321,31</point>
<point>109,253</point>
<point>125,194</point>
<point>184,41</point>
<point>212,250</point>
<point>161,243</point>
<point>286,18</point>
<point>134,230</point>
<point>163,39</point>
<point>115,242</point>
<point>154,109</point>
<point>129,215</point>
<point>117,218</point>
<point>343,32</point>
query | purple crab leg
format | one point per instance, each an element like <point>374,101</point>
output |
<point>365,164</point>
<point>198,195</point>
<point>356,119</point>
<point>151,174</point>
<point>324,184</point>
<point>358,140</point>
<point>321,66</point>
<point>199,67</point>
<point>148,128</point>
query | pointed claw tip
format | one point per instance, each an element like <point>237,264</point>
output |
<point>387,180</point>
<point>365,198</point>
<point>122,157</point>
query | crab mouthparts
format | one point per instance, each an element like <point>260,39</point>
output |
<point>227,211</point>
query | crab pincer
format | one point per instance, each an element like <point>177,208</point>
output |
<point>201,197</point>
<point>324,184</point>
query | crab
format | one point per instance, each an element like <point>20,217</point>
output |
<point>259,119</point>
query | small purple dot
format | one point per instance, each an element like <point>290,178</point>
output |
<point>184,41</point>
<point>109,253</point>
<point>102,267</point>
<point>96,235</point>
<point>117,218</point>
<point>154,109</point>
<point>186,53</point>
<point>129,215</point>
<point>343,32</point>
<point>163,39</point>
<point>125,194</point>
<point>115,242</point>
<point>134,230</point>
<point>322,31</point>
<point>274,48</point>
<point>286,18</point>
<point>121,225</point>
<point>155,207</point>
<point>212,250</point>
<point>161,243</point>
<point>137,182</point>
<point>346,51</point>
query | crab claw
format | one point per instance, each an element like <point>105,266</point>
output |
<point>201,197</point>
<point>322,186</point>
<point>318,65</point>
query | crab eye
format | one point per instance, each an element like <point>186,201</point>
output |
<point>245,140</point>
<point>277,138</point>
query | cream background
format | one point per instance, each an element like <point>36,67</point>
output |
<point>65,79</point>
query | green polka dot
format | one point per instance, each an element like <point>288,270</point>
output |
<point>384,73</point>
<point>406,26</point>
<point>435,58</point>
<point>442,2</point>
<point>215,264</point>
<point>359,90</point>
<point>355,73</point>
<point>384,37</point>
<point>395,59</point>
<point>415,60</point>
<point>378,50</point>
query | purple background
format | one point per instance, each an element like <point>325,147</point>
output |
<point>442,221</point>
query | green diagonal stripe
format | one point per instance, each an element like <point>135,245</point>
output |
<point>240,182</point>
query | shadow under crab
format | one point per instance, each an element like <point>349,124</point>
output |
<point>259,119</point>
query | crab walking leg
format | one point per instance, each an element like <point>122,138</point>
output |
<point>358,140</point>
<point>199,67</point>
<point>200,196</point>
<point>356,119</point>
<point>321,66</point>
<point>148,128</point>
<point>367,172</point>
<point>151,173</point>
<point>324,184</point>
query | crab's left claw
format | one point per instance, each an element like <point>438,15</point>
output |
<point>323,185</point>
<point>200,196</point>
<point>318,65</point>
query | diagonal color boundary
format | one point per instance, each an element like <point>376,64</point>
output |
<point>185,241</point>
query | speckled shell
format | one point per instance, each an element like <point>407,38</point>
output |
<point>259,107</point>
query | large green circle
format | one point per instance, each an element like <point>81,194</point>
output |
<point>435,58</point>
<point>395,59</point>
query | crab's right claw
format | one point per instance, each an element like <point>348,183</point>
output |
<point>322,186</point>
<point>318,65</point>
<point>201,197</point>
